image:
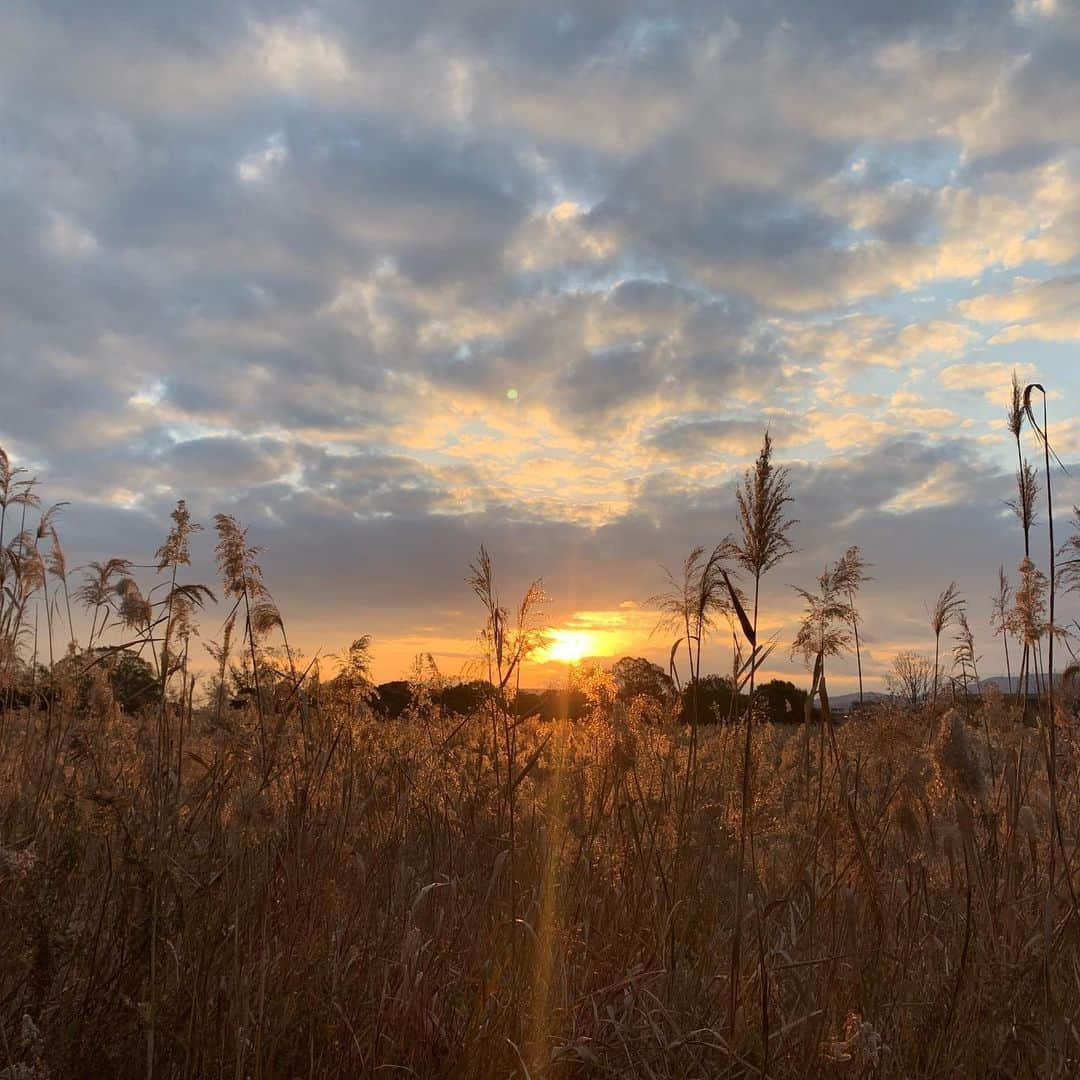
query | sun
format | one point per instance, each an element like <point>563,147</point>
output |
<point>569,646</point>
<point>595,635</point>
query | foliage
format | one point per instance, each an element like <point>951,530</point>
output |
<point>393,699</point>
<point>131,679</point>
<point>911,678</point>
<point>783,701</point>
<point>635,676</point>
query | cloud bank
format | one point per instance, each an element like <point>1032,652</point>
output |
<point>389,280</point>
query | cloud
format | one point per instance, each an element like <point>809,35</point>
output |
<point>690,434</point>
<point>300,55</point>
<point>986,377</point>
<point>1042,311</point>
<point>388,280</point>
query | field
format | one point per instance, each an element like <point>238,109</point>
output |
<point>686,875</point>
<point>320,893</point>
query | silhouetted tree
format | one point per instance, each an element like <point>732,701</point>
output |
<point>635,676</point>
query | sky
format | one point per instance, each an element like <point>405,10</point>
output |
<point>389,281</point>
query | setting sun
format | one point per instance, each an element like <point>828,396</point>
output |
<point>597,633</point>
<point>570,646</point>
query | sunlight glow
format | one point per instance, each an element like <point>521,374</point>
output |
<point>570,646</point>
<point>598,634</point>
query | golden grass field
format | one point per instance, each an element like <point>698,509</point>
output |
<point>343,896</point>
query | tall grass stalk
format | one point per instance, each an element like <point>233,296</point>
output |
<point>1023,506</point>
<point>999,618</point>
<point>849,576</point>
<point>948,607</point>
<point>691,605</point>
<point>1043,434</point>
<point>763,542</point>
<point>507,645</point>
<point>242,580</point>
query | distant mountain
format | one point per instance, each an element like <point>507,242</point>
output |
<point>1005,685</point>
<point>842,702</point>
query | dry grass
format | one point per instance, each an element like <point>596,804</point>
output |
<point>297,888</point>
<point>345,912</point>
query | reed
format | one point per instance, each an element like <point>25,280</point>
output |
<point>275,879</point>
<point>763,543</point>
<point>947,610</point>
